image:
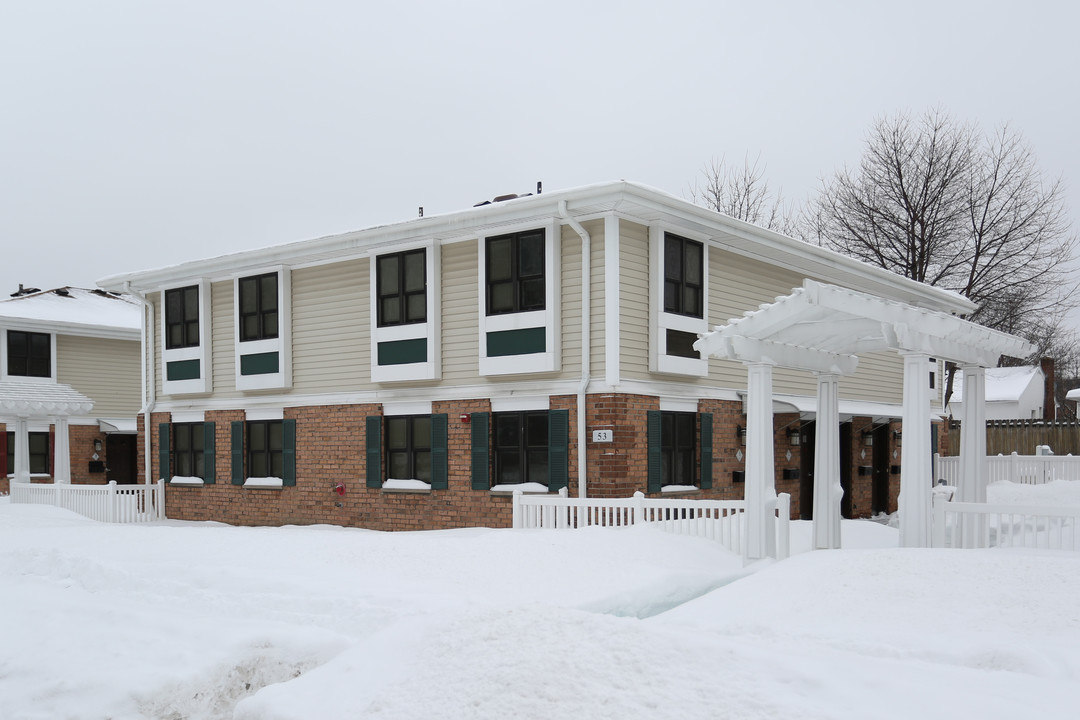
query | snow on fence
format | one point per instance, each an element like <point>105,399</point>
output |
<point>1023,469</point>
<point>720,520</point>
<point>105,503</point>
<point>980,525</point>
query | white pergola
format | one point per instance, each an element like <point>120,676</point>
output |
<point>821,328</point>
<point>53,402</point>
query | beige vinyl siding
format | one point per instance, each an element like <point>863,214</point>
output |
<point>634,300</point>
<point>106,371</point>
<point>331,327</point>
<point>460,308</point>
<point>157,342</point>
<point>222,350</point>
<point>879,378</point>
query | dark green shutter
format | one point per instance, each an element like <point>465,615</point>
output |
<point>164,445</point>
<point>481,467</point>
<point>654,455</point>
<point>288,451</point>
<point>558,449</point>
<point>237,450</point>
<point>209,454</point>
<point>706,451</point>
<point>439,441</point>
<point>374,451</point>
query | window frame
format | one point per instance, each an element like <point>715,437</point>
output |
<point>277,348</point>
<point>30,435</point>
<point>268,452</point>
<point>198,352</point>
<point>517,279</point>
<point>7,373</point>
<point>193,430</point>
<point>428,331</point>
<point>669,450</point>
<point>402,294</point>
<point>545,323</point>
<point>663,320</point>
<point>523,446</point>
<point>682,284</point>
<point>411,450</point>
<point>188,338</point>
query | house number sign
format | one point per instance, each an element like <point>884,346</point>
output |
<point>600,436</point>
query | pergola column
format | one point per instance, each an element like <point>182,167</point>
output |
<point>827,488</point>
<point>972,485</point>
<point>760,487</point>
<point>915,462</point>
<point>22,450</point>
<point>61,451</point>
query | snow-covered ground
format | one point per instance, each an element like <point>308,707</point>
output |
<point>200,620</point>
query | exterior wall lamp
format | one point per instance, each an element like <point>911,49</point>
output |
<point>794,436</point>
<point>868,438</point>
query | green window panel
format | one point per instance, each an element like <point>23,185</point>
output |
<point>516,342</point>
<point>182,370</point>
<point>259,364</point>
<point>403,352</point>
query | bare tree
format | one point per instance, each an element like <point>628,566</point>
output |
<point>934,200</point>
<point>744,194</point>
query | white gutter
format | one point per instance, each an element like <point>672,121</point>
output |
<point>147,375</point>
<point>586,339</point>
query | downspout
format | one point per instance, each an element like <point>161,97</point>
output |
<point>586,341</point>
<point>148,398</point>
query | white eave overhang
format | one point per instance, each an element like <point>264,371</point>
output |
<point>878,412</point>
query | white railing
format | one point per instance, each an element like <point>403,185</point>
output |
<point>721,520</point>
<point>979,525</point>
<point>1023,469</point>
<point>106,503</point>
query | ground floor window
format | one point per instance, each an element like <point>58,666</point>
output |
<point>39,453</point>
<point>408,447</point>
<point>521,447</point>
<point>679,449</point>
<point>189,450</point>
<point>265,448</point>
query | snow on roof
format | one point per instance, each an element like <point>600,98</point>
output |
<point>71,306</point>
<point>1003,384</point>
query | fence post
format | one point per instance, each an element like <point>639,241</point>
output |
<point>1014,467</point>
<point>516,512</point>
<point>639,507</point>
<point>783,540</point>
<point>112,502</point>
<point>937,532</point>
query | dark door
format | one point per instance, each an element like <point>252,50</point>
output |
<point>120,456</point>
<point>879,492</point>
<point>847,504</point>
<point>806,470</point>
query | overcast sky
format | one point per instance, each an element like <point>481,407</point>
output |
<point>138,134</point>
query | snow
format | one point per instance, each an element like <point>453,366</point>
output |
<point>264,482</point>
<point>525,488</point>
<point>183,480</point>
<point>405,484</point>
<point>78,306</point>
<point>1003,384</point>
<point>203,620</point>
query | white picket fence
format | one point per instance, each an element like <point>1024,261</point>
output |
<point>721,520</point>
<point>980,525</point>
<point>1023,469</point>
<point>106,503</point>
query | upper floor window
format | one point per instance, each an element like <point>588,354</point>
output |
<point>182,317</point>
<point>259,307</point>
<point>515,272</point>
<point>402,288</point>
<point>408,447</point>
<point>29,354</point>
<point>683,276</point>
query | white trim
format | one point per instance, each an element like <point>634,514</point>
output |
<point>282,344</point>
<point>406,407</point>
<point>612,300</point>
<point>430,330</point>
<point>201,352</point>
<point>670,404</point>
<point>265,414</point>
<point>188,416</point>
<point>659,321</point>
<point>520,403</point>
<point>549,318</point>
<point>4,355</point>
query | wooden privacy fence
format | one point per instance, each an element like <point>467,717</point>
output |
<point>979,525</point>
<point>721,520</point>
<point>1022,469</point>
<point>1023,436</point>
<point>106,503</point>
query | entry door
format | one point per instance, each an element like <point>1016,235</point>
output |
<point>120,457</point>
<point>879,492</point>
<point>806,470</point>
<point>847,502</point>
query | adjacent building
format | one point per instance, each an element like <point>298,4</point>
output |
<point>69,386</point>
<point>413,375</point>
